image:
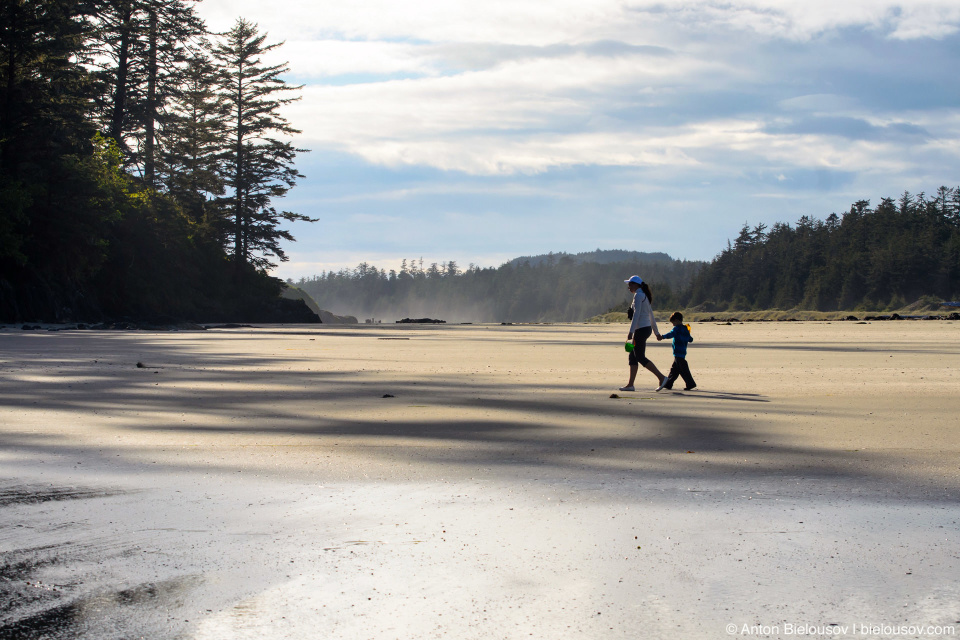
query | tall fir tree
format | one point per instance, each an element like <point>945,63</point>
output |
<point>258,163</point>
<point>43,85</point>
<point>43,88</point>
<point>140,46</point>
<point>193,139</point>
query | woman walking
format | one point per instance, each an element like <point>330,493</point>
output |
<point>640,329</point>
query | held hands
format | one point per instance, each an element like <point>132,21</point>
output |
<point>659,337</point>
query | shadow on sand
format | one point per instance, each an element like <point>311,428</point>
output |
<point>488,423</point>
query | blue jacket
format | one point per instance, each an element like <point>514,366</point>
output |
<point>680,337</point>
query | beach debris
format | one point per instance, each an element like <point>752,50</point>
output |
<point>140,365</point>
<point>613,395</point>
<point>387,395</point>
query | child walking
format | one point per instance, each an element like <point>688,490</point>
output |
<point>680,369</point>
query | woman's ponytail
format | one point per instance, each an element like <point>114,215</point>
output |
<point>646,291</point>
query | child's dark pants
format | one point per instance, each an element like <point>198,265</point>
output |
<point>680,369</point>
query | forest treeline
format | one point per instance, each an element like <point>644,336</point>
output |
<point>550,288</point>
<point>879,258</point>
<point>141,157</point>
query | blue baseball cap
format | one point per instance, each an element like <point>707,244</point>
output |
<point>635,280</point>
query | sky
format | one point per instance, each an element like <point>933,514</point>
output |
<point>481,131</point>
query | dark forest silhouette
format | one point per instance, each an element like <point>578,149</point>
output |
<point>867,258</point>
<point>140,157</point>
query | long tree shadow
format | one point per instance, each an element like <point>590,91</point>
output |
<point>485,422</point>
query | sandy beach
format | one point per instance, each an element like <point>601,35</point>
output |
<point>479,481</point>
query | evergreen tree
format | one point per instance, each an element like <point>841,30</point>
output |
<point>43,88</point>
<point>193,139</point>
<point>140,46</point>
<point>258,166</point>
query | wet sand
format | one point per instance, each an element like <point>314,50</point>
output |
<point>256,483</point>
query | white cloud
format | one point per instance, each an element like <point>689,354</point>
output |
<point>518,86</point>
<point>508,189</point>
<point>927,20</point>
<point>442,125</point>
<point>805,19</point>
<point>535,22</point>
<point>513,21</point>
<point>526,116</point>
<point>315,59</point>
<point>532,154</point>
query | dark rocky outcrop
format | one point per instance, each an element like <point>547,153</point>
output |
<point>294,293</point>
<point>420,321</point>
